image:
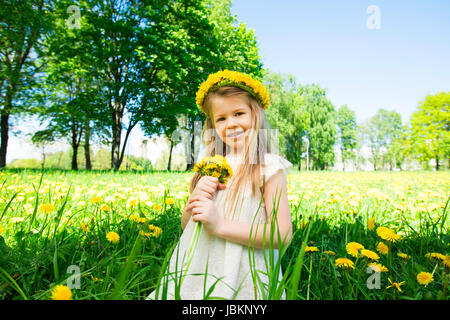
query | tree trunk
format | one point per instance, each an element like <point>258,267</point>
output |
<point>87,151</point>
<point>170,154</point>
<point>43,157</point>
<point>437,162</point>
<point>74,157</point>
<point>74,148</point>
<point>115,146</point>
<point>77,132</point>
<point>125,140</point>
<point>192,147</point>
<point>190,152</point>
<point>4,138</point>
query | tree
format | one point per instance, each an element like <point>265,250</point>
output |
<point>430,128</point>
<point>73,102</point>
<point>382,129</point>
<point>322,132</point>
<point>22,26</point>
<point>234,48</point>
<point>42,139</point>
<point>361,138</point>
<point>287,114</point>
<point>401,148</point>
<point>192,59</point>
<point>346,129</point>
<point>144,49</point>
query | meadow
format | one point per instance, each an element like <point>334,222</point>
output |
<point>357,235</point>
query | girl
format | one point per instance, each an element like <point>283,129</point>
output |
<point>234,106</point>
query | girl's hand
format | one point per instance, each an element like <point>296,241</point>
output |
<point>206,187</point>
<point>205,211</point>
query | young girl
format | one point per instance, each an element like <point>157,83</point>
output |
<point>234,106</point>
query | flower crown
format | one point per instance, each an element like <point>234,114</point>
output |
<point>232,78</point>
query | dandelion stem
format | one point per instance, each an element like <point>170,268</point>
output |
<point>309,278</point>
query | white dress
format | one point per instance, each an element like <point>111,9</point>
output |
<point>227,260</point>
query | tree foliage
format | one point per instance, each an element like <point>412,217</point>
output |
<point>430,128</point>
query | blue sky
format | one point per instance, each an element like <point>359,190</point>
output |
<point>329,43</point>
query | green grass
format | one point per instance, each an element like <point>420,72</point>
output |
<point>36,248</point>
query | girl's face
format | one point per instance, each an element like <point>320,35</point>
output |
<point>232,119</point>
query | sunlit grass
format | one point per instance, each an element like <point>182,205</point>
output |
<point>51,221</point>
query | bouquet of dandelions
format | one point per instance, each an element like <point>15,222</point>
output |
<point>215,166</point>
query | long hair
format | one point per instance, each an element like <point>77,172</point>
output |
<point>255,147</point>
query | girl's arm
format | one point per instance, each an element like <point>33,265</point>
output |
<point>240,232</point>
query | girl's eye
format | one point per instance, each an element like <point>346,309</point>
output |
<point>237,113</point>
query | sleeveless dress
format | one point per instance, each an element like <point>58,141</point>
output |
<point>226,260</point>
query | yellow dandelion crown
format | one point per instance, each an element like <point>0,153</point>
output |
<point>232,78</point>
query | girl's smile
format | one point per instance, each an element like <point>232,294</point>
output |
<point>235,136</point>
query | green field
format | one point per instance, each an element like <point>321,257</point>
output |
<point>55,222</point>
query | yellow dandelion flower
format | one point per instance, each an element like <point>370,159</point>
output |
<point>145,234</point>
<point>377,267</point>
<point>141,220</point>
<point>302,224</point>
<point>157,207</point>
<point>435,255</point>
<point>424,278</point>
<point>95,279</point>
<point>446,262</point>
<point>105,208</point>
<point>2,229</point>
<point>330,253</point>
<point>112,237</point>
<point>382,248</point>
<point>353,248</point>
<point>234,78</point>
<point>84,227</point>
<point>369,254</point>
<point>154,230</point>
<point>344,263</point>
<point>170,201</point>
<point>133,217</point>
<point>387,234</point>
<point>311,249</point>
<point>371,223</point>
<point>403,255</point>
<point>216,166</point>
<point>61,292</point>
<point>396,285</point>
<point>96,199</point>
<point>132,203</point>
<point>47,207</point>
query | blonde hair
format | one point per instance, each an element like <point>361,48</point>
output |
<point>255,147</point>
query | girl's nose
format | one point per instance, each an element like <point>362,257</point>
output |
<point>231,122</point>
